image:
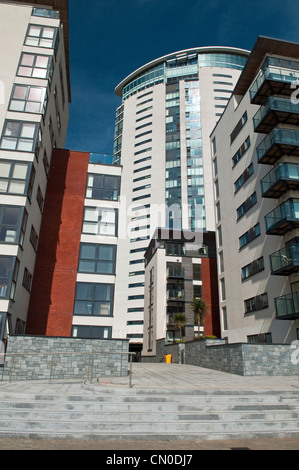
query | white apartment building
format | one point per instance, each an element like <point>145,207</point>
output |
<point>255,148</point>
<point>34,97</point>
<point>162,140</point>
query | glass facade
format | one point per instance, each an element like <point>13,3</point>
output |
<point>194,156</point>
<point>185,64</point>
<point>173,196</point>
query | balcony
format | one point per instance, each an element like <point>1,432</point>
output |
<point>284,218</point>
<point>278,143</point>
<point>175,272</point>
<point>176,295</point>
<point>275,78</point>
<point>287,306</point>
<point>283,177</point>
<point>286,261</point>
<point>276,111</point>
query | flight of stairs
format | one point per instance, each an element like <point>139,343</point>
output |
<point>118,413</point>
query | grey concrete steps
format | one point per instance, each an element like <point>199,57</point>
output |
<point>118,413</point>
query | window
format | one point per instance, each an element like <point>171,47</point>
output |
<point>197,272</point>
<point>219,231</point>
<point>35,66</point>
<point>250,235</point>
<point>9,268</point>
<point>137,273</point>
<point>252,268</point>
<point>94,299</point>
<point>250,202</point>
<point>27,280</point>
<point>28,99</point>
<point>221,261</point>
<point>15,177</point>
<point>40,199</point>
<point>244,177</point>
<point>46,163</point>
<point>103,187</point>
<point>143,168</point>
<point>41,36</point>
<point>143,142</point>
<point>21,136</point>
<point>97,332</point>
<point>224,315</point>
<point>239,154</point>
<point>140,188</point>
<point>214,146</point>
<point>2,325</point>
<point>98,259</point>
<point>143,134</point>
<point>223,292</point>
<point>33,238</point>
<point>100,221</point>
<point>256,303</point>
<point>12,224</point>
<point>135,297</point>
<point>238,127</point>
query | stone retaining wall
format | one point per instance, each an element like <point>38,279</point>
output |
<point>241,359</point>
<point>38,357</point>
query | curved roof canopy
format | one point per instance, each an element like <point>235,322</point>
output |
<point>179,54</point>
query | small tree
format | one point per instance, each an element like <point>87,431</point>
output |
<point>200,310</point>
<point>180,319</point>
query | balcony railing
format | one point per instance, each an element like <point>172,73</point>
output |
<point>285,261</point>
<point>283,177</point>
<point>276,110</point>
<point>284,218</point>
<point>287,306</point>
<point>102,159</point>
<point>176,272</point>
<point>174,294</point>
<point>275,78</point>
<point>46,13</point>
<point>278,143</point>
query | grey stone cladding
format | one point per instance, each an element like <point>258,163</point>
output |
<point>37,357</point>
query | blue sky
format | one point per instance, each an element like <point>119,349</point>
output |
<point>109,39</point>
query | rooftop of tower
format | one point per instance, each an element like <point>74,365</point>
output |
<point>180,56</point>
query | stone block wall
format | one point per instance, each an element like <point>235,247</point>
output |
<point>240,359</point>
<point>37,357</point>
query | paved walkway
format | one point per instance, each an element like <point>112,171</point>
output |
<point>161,377</point>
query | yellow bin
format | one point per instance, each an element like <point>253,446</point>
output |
<point>167,359</point>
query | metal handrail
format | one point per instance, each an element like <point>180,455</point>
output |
<point>90,362</point>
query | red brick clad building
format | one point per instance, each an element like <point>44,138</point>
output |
<point>53,290</point>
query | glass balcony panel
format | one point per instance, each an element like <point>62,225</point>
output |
<point>46,13</point>
<point>287,306</point>
<point>283,177</point>
<point>278,143</point>
<point>275,77</point>
<point>284,218</point>
<point>285,261</point>
<point>175,294</point>
<point>176,272</point>
<point>276,110</point>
